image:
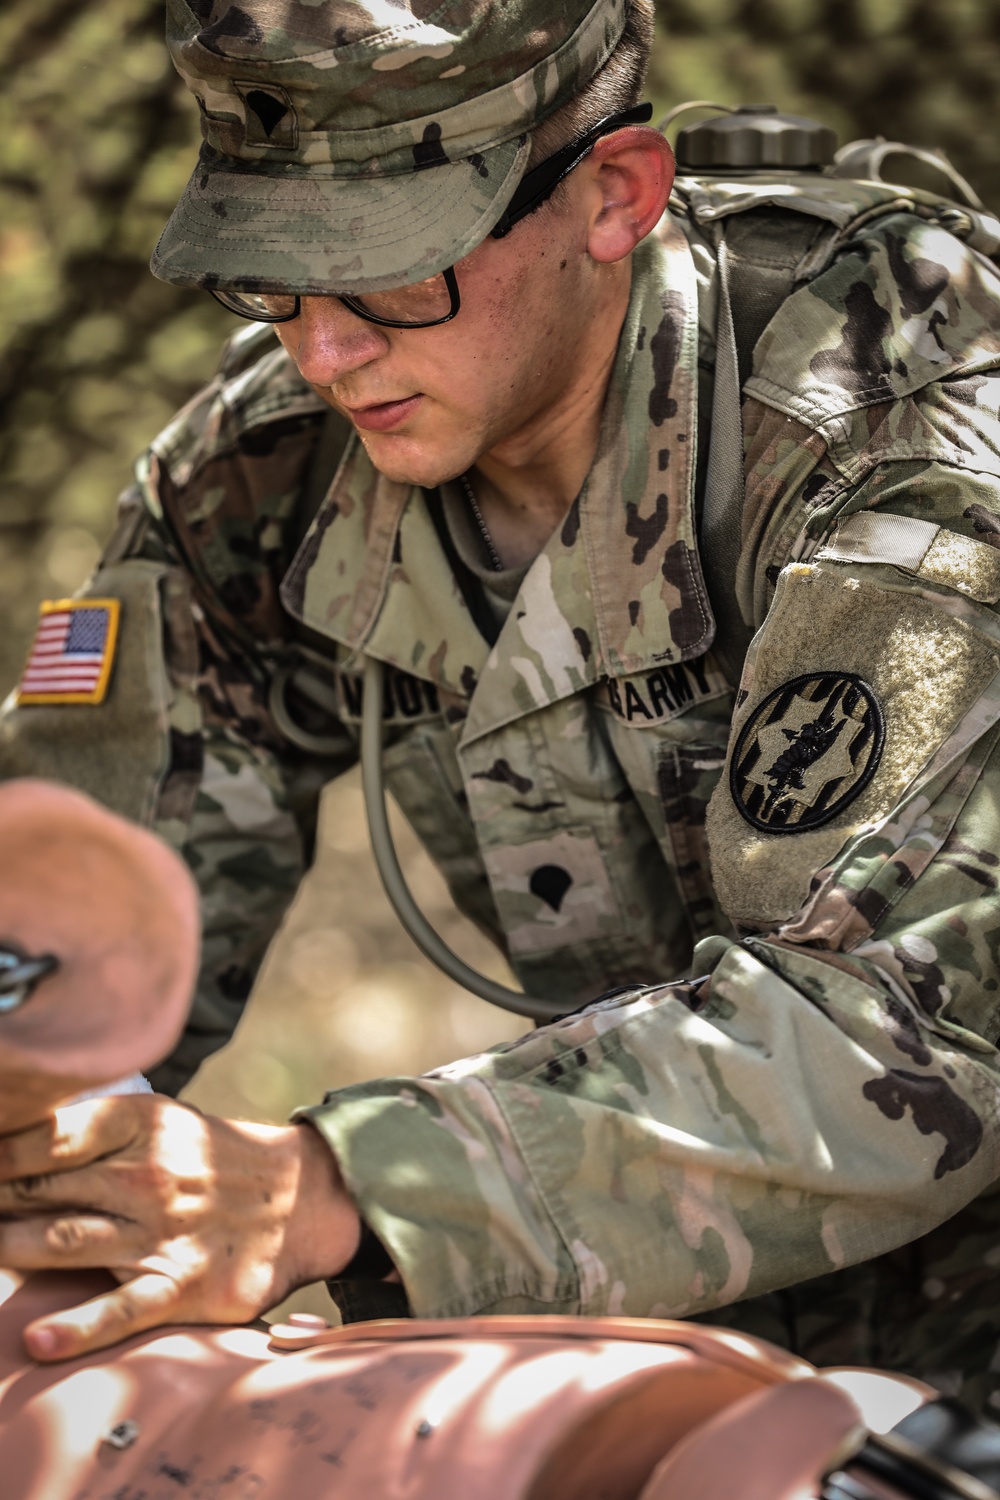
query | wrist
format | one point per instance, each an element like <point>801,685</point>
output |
<point>324,1230</point>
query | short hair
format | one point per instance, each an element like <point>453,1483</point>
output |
<point>617,85</point>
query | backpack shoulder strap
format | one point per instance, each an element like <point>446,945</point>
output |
<point>765,250</point>
<point>759,254</point>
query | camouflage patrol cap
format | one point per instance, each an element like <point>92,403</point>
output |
<point>353,145</point>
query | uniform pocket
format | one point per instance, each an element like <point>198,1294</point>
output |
<point>421,772</point>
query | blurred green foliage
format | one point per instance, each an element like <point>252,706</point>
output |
<point>921,71</point>
<point>97,138</point>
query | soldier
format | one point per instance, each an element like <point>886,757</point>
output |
<point>788,1101</point>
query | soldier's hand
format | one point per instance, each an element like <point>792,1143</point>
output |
<point>199,1219</point>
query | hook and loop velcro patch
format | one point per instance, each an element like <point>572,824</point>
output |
<point>73,652</point>
<point>809,749</point>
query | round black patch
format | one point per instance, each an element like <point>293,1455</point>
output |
<point>811,747</point>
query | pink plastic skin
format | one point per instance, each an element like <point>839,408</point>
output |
<point>119,910</point>
<point>442,1411</point>
<point>786,1439</point>
<point>540,1408</point>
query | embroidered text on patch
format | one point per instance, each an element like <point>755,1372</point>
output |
<point>72,653</point>
<point>809,749</point>
<point>664,693</point>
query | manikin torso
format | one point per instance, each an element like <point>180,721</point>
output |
<point>542,1408</point>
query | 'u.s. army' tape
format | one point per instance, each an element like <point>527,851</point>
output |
<point>654,697</point>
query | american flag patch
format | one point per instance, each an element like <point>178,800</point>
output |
<point>72,653</point>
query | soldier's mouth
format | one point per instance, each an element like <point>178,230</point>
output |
<point>383,416</point>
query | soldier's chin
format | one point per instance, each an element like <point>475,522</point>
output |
<point>410,462</point>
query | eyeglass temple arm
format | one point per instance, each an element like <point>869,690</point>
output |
<point>536,185</point>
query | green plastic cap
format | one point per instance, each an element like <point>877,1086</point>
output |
<point>755,136</point>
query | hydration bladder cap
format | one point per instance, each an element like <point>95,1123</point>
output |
<point>755,136</point>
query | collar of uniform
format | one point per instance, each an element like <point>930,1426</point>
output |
<point>618,589</point>
<point>353,579</point>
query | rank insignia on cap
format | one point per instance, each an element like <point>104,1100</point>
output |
<point>72,653</point>
<point>810,748</point>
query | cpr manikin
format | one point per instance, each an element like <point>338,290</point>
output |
<point>98,950</point>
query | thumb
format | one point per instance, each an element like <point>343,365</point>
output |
<point>149,1299</point>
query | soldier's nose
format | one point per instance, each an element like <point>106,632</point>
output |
<point>328,341</point>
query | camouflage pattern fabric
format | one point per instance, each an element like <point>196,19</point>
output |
<point>789,1113</point>
<point>347,149</point>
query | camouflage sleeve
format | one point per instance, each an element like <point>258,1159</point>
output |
<point>829,1090</point>
<point>184,740</point>
<point>239,802</point>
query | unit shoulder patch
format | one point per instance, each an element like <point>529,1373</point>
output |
<point>806,752</point>
<point>73,652</point>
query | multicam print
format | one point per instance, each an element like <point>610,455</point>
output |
<point>790,1112</point>
<point>355,147</point>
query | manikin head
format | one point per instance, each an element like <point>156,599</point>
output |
<point>98,948</point>
<point>359,149</point>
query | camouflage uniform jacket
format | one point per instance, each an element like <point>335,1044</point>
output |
<point>824,1089</point>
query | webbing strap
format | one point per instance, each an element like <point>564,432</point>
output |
<point>757,259</point>
<point>722,511</point>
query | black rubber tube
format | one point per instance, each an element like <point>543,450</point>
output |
<point>398,892</point>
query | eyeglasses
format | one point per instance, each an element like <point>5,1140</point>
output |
<point>419,304</point>
<point>425,304</point>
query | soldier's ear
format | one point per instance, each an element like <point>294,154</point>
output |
<point>630,174</point>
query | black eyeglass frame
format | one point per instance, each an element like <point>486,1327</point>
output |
<point>534,189</point>
<point>450,281</point>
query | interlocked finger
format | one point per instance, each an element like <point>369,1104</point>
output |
<point>83,1241</point>
<point>72,1137</point>
<point>90,1189</point>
